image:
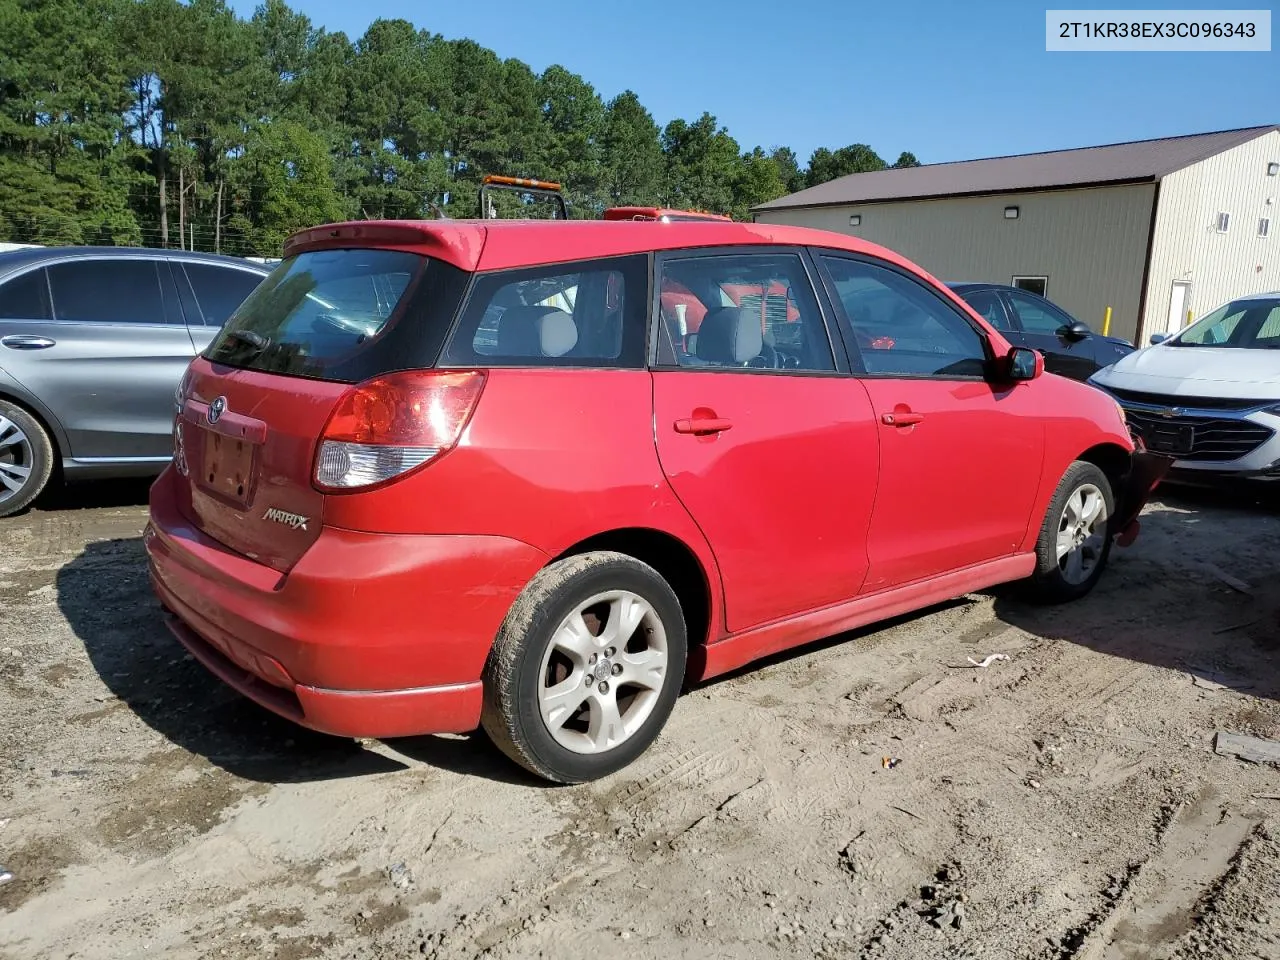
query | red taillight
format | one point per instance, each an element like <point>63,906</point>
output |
<point>386,427</point>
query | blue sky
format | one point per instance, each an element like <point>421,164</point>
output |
<point>946,80</point>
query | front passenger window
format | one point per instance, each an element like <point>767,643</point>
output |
<point>1036,316</point>
<point>25,297</point>
<point>901,328</point>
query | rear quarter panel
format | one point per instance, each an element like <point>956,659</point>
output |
<point>550,458</point>
<point>1077,418</point>
<point>14,391</point>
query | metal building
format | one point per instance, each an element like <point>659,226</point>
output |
<point>1157,230</point>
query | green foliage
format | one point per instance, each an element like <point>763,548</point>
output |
<point>793,178</point>
<point>702,164</point>
<point>633,161</point>
<point>759,179</point>
<point>177,123</point>
<point>827,164</point>
<point>282,184</point>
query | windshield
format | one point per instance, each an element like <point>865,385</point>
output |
<point>1243,324</point>
<point>340,315</point>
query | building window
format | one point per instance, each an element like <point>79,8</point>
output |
<point>1264,227</point>
<point>1036,285</point>
<point>1224,222</point>
<point>1273,169</point>
<point>1011,213</point>
<point>855,219</point>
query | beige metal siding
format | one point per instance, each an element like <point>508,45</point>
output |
<point>1187,245</point>
<point>1091,243</point>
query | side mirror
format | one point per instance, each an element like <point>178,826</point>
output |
<point>1159,338</point>
<point>1076,330</point>
<point>1024,363</point>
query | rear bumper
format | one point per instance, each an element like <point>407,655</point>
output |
<point>349,713</point>
<point>368,635</point>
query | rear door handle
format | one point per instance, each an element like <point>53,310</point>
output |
<point>20,341</point>
<point>703,425</point>
<point>901,419</point>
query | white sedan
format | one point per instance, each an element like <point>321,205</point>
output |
<point>1209,396</point>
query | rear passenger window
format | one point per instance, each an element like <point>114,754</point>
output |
<point>568,315</point>
<point>901,328</point>
<point>107,291</point>
<point>219,290</point>
<point>25,297</point>
<point>752,311</point>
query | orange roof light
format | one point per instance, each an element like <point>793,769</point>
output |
<point>520,182</point>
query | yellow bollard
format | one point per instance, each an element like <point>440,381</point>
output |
<point>1106,324</point>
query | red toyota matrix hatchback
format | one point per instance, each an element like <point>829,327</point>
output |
<point>535,476</point>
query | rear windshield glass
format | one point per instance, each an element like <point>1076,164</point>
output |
<point>343,315</point>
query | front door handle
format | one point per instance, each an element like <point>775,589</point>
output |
<point>901,419</point>
<point>703,425</point>
<point>20,341</point>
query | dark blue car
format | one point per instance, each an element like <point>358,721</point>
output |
<point>1070,348</point>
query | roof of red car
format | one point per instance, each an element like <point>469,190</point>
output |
<point>504,244</point>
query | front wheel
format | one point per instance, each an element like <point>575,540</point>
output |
<point>586,668</point>
<point>1075,538</point>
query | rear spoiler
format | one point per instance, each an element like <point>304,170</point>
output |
<point>545,188</point>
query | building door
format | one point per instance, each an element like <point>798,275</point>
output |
<point>1178,306</point>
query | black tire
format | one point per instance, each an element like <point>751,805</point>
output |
<point>1050,583</point>
<point>36,457</point>
<point>514,674</point>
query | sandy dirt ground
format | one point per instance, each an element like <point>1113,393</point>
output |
<point>1065,803</point>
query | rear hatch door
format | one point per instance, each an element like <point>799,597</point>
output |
<point>254,406</point>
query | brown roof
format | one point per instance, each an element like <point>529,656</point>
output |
<point>1141,160</point>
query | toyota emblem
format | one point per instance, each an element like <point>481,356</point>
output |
<point>216,409</point>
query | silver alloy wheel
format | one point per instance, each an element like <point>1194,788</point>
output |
<point>603,672</point>
<point>1081,533</point>
<point>16,459</point>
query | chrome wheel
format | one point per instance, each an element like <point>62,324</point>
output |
<point>1082,531</point>
<point>603,672</point>
<point>16,459</point>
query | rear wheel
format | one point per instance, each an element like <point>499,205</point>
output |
<point>1075,538</point>
<point>586,668</point>
<point>26,459</point>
